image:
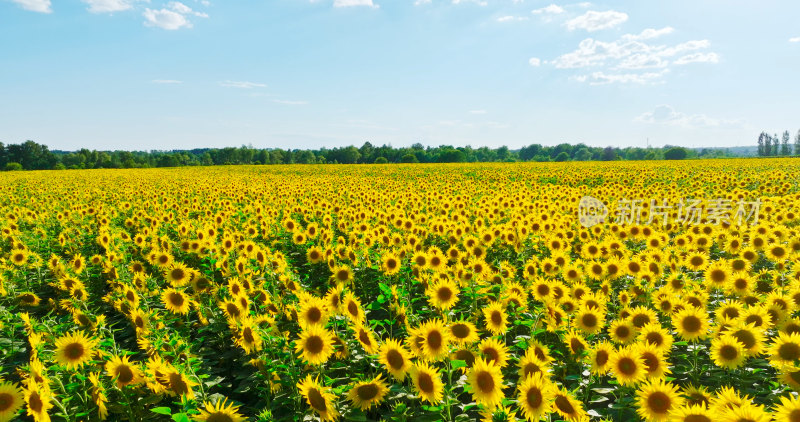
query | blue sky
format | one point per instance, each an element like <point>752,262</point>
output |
<point>153,74</point>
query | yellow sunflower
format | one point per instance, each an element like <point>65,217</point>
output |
<point>463,332</point>
<point>315,345</point>
<point>219,412</point>
<point>11,400</point>
<point>175,301</point>
<point>427,383</point>
<point>74,350</point>
<point>443,294</point>
<point>486,381</point>
<point>365,394</point>
<point>727,352</point>
<point>567,406</point>
<point>319,398</point>
<point>395,358</point>
<point>535,397</point>
<point>496,318</point>
<point>435,339</point>
<point>656,399</point>
<point>123,371</point>
<point>38,400</point>
<point>627,366</point>
<point>691,323</point>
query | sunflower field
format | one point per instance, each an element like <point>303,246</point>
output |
<point>403,293</point>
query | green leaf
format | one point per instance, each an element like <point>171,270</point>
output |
<point>162,410</point>
<point>455,364</point>
<point>180,417</point>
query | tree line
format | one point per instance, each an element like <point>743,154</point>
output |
<point>770,146</point>
<point>30,155</point>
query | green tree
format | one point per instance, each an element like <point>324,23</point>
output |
<point>409,158</point>
<point>676,153</point>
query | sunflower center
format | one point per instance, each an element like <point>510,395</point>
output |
<point>364,337</point>
<point>691,324</point>
<point>485,382</point>
<point>640,320</point>
<point>177,274</point>
<point>746,338</point>
<point>576,345</point>
<point>177,384</point>
<point>789,351</point>
<point>651,362</point>
<point>601,358</point>
<point>728,352</point>
<point>659,402</point>
<point>342,275</point>
<point>74,351</point>
<point>435,340</point>
<point>352,308</point>
<point>718,276</point>
<point>466,356</point>
<point>534,398</point>
<point>563,404</point>
<point>530,369</point>
<point>314,315</point>
<point>34,403</point>
<point>317,401</point>
<point>622,331</point>
<point>367,392</point>
<point>314,344</point>
<point>247,333</point>
<point>589,320</point>
<point>444,294</point>
<point>425,382</point>
<point>497,318</point>
<point>698,418</point>
<point>219,417</point>
<point>460,330</point>
<point>395,359</point>
<point>124,374</point>
<point>6,401</point>
<point>232,309</point>
<point>492,353</point>
<point>176,299</point>
<point>626,366</point>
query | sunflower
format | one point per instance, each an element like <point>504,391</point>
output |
<point>435,339</point>
<point>785,349</point>
<point>575,342</point>
<point>627,366</point>
<point>315,345</point>
<point>565,405</point>
<point>494,351</point>
<point>656,399</point>
<point>622,331</point>
<point>342,274</point>
<point>314,255</point>
<point>696,396</point>
<point>248,337</point>
<point>11,400</point>
<point>175,301</point>
<point>717,275</point>
<point>352,309</point>
<point>790,375</point>
<point>692,413</point>
<point>655,363</point>
<point>319,398</point>
<point>727,352</point>
<point>313,311</point>
<point>395,358</point>
<point>178,275</point>
<point>123,371</point>
<point>390,264</point>
<point>691,324</point>
<point>19,256</point>
<point>366,338</point>
<point>589,319</point>
<point>427,383</point>
<point>486,381</point>
<point>535,397</point>
<point>496,318</point>
<point>74,350</point>
<point>365,394</point>
<point>463,332</point>
<point>599,358</point>
<point>219,412</point>
<point>443,294</point>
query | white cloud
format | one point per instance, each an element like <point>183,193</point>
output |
<point>478,2</point>
<point>351,3</point>
<point>477,112</point>
<point>595,21</point>
<point>242,84</point>
<point>649,33</point>
<point>535,61</point>
<point>698,58</point>
<point>289,102</point>
<point>421,2</point>
<point>666,115</point>
<point>108,6</point>
<point>553,9</point>
<point>794,39</point>
<point>41,6</point>
<point>166,81</point>
<point>511,18</point>
<point>165,19</point>
<point>185,10</point>
<point>602,78</point>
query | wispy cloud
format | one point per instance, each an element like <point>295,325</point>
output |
<point>166,81</point>
<point>242,84</point>
<point>666,115</point>
<point>511,18</point>
<point>602,78</point>
<point>595,21</point>
<point>41,6</point>
<point>535,61</point>
<point>173,18</point>
<point>794,39</point>
<point>353,3</point>
<point>108,6</point>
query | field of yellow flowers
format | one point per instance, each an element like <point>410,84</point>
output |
<point>657,291</point>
